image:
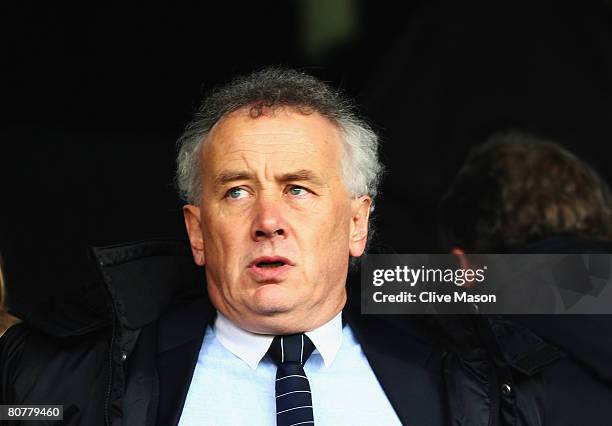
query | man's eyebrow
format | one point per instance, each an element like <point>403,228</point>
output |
<point>301,175</point>
<point>226,177</point>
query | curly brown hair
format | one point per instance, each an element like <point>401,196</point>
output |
<point>515,189</point>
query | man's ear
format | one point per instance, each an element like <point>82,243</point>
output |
<point>194,230</point>
<point>360,208</point>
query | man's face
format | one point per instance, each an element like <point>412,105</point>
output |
<point>276,223</point>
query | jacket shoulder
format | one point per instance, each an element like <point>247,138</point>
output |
<point>40,369</point>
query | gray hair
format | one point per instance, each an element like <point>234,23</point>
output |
<point>273,88</point>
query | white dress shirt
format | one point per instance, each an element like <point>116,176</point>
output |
<point>233,382</point>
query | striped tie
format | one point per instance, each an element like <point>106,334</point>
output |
<point>293,398</point>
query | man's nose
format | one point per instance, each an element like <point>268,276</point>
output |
<point>269,221</point>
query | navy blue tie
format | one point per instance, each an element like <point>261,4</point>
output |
<point>293,397</point>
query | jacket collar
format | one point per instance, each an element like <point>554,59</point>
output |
<point>155,287</point>
<point>143,279</point>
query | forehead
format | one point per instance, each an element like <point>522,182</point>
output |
<point>280,139</point>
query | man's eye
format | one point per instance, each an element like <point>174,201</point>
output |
<point>236,193</point>
<point>297,191</point>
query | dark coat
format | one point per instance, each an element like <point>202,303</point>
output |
<point>134,365</point>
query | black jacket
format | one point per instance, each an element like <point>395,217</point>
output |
<point>133,365</point>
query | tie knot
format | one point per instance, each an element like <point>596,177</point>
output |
<point>291,348</point>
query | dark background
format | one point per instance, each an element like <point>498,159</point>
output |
<point>94,97</point>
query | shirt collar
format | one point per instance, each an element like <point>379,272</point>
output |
<point>252,347</point>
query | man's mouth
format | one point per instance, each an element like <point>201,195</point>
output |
<point>270,264</point>
<point>270,268</point>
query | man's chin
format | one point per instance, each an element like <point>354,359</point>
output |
<point>271,299</point>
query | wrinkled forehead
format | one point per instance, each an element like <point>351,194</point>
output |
<point>281,139</point>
